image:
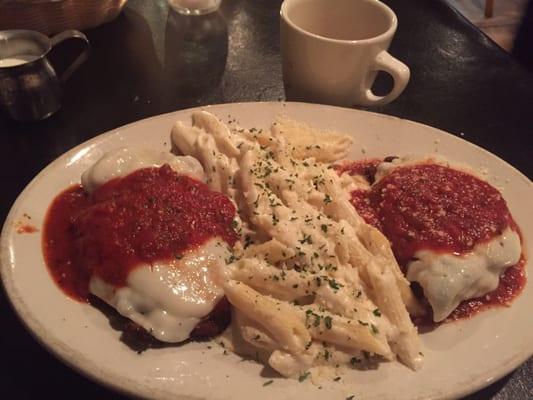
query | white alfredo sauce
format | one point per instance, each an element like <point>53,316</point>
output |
<point>167,299</point>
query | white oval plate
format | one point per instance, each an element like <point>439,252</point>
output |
<point>460,357</point>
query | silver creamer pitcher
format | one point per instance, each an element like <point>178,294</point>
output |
<point>30,89</point>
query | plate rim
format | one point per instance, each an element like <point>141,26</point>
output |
<point>64,354</point>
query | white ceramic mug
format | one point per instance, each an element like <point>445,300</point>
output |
<point>333,49</point>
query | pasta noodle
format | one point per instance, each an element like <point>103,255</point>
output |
<point>310,282</point>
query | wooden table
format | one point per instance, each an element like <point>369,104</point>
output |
<point>147,62</point>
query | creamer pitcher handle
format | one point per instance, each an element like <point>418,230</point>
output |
<point>72,34</point>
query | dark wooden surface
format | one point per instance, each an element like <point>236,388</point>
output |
<point>148,62</point>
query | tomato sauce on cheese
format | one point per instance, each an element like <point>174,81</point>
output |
<point>436,207</point>
<point>150,215</point>
<point>432,207</point>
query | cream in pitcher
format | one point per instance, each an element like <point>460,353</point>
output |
<point>18,60</point>
<point>30,89</point>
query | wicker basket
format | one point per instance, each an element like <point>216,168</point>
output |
<point>52,16</point>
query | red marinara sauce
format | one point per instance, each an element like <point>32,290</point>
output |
<point>429,206</point>
<point>365,168</point>
<point>150,215</point>
<point>434,207</point>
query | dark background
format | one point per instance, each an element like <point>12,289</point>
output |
<point>148,62</point>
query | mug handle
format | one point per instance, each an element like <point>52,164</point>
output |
<point>400,74</point>
<point>72,34</point>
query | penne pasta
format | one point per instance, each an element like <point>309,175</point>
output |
<point>275,316</point>
<point>311,283</point>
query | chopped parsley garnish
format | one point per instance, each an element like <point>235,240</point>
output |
<point>376,312</point>
<point>248,241</point>
<point>334,284</point>
<point>306,239</point>
<point>354,361</point>
<point>231,259</point>
<point>268,171</point>
<point>308,315</point>
<point>268,382</point>
<point>256,202</point>
<point>303,377</point>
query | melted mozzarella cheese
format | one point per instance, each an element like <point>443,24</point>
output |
<point>169,299</point>
<point>124,161</point>
<point>449,279</point>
